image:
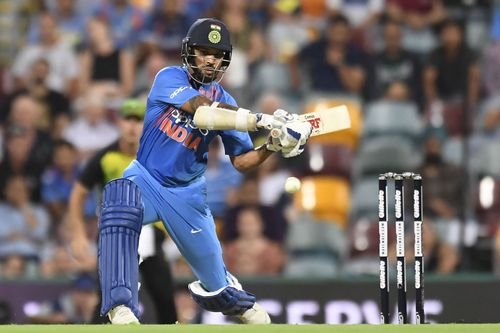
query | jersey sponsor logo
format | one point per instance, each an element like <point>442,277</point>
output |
<point>179,127</point>
<point>178,91</point>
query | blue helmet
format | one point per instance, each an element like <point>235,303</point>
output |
<point>206,32</point>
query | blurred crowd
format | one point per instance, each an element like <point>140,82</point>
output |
<point>421,80</point>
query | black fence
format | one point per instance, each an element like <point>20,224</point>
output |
<point>467,299</point>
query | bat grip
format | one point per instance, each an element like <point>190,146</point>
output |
<point>264,121</point>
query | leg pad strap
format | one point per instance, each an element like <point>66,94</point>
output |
<point>228,300</point>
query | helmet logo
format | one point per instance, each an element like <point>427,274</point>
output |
<point>214,36</point>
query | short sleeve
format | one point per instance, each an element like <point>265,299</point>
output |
<point>92,173</point>
<point>171,86</point>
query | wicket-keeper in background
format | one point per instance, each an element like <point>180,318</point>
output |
<point>108,164</point>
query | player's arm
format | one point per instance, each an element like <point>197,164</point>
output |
<point>195,102</point>
<point>251,159</point>
<point>76,220</point>
<point>90,176</point>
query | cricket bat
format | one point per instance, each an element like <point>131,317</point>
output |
<point>323,121</point>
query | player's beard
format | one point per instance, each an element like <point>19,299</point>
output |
<point>206,74</point>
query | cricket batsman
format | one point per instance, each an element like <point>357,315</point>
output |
<point>165,182</point>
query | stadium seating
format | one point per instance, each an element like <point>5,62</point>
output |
<point>392,118</point>
<point>364,194</point>
<point>326,197</point>
<point>383,154</point>
<point>316,248</point>
<point>327,159</point>
<point>487,160</point>
<point>453,151</point>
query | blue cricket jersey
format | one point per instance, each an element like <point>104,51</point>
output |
<point>172,148</point>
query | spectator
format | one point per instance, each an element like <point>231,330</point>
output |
<point>440,249</point>
<point>58,259</point>
<point>73,307</point>
<point>27,112</point>
<point>23,224</point>
<point>125,20</point>
<point>443,193</point>
<point>167,25</point>
<point>251,252</point>
<point>417,13</point>
<point>491,70</point>
<point>91,131</point>
<point>444,183</point>
<point>62,60</point>
<point>13,267</point>
<point>103,65</point>
<point>394,67</point>
<point>247,196</point>
<point>452,71</point>
<point>363,15</point>
<point>248,46</point>
<point>28,150</point>
<point>491,62</point>
<point>199,8</point>
<point>146,72</point>
<point>332,64</point>
<point>244,36</point>
<point>490,125</point>
<point>58,180</point>
<point>18,145</point>
<point>286,33</point>
<point>15,17</point>
<point>55,106</point>
<point>419,17</point>
<point>70,23</point>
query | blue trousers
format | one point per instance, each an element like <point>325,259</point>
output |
<point>187,218</point>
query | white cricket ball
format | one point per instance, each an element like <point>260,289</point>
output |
<point>292,184</point>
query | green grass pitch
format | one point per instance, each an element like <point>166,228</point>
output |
<point>459,328</point>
